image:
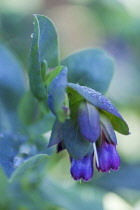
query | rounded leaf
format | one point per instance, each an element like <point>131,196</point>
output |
<point>91,67</point>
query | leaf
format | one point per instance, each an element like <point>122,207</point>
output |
<point>57,134</point>
<point>76,145</point>
<point>42,126</point>
<point>57,96</point>
<point>30,164</point>
<point>107,128</point>
<point>44,47</point>
<point>127,177</point>
<point>35,189</point>
<point>29,109</point>
<point>3,190</point>
<point>9,148</point>
<point>52,74</point>
<point>35,78</point>
<point>101,102</point>
<point>93,68</point>
<point>12,87</point>
<point>89,121</point>
<point>48,41</point>
<point>78,196</point>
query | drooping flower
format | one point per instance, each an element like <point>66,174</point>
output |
<point>82,169</point>
<point>107,156</point>
<point>92,118</point>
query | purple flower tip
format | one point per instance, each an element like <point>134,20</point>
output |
<point>108,156</point>
<point>82,169</point>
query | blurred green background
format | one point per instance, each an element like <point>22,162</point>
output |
<point>47,184</point>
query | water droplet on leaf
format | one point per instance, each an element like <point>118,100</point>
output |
<point>19,159</point>
<point>32,35</point>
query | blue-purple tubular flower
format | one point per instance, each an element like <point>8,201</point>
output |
<point>107,156</point>
<point>82,169</point>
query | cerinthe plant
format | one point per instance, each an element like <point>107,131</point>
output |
<point>72,90</point>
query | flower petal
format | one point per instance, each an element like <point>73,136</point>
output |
<point>107,128</point>
<point>101,102</point>
<point>89,121</point>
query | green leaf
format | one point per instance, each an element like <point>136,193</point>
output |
<point>42,126</point>
<point>93,68</point>
<point>57,96</point>
<point>76,145</point>
<point>9,148</point>
<point>107,128</point>
<point>44,69</point>
<point>127,177</point>
<point>52,74</point>
<point>101,102</point>
<point>30,164</point>
<point>30,106</point>
<point>3,190</point>
<point>35,78</point>
<point>44,47</point>
<point>48,41</point>
<point>36,189</point>
<point>12,87</point>
<point>79,196</point>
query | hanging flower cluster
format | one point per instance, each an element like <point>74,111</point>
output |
<point>84,126</point>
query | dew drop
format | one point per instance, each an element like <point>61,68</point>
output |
<point>19,159</point>
<point>32,35</point>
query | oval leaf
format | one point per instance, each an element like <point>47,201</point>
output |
<point>35,78</point>
<point>44,47</point>
<point>31,163</point>
<point>101,102</point>
<point>92,67</point>
<point>48,41</point>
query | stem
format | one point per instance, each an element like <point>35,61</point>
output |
<point>96,155</point>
